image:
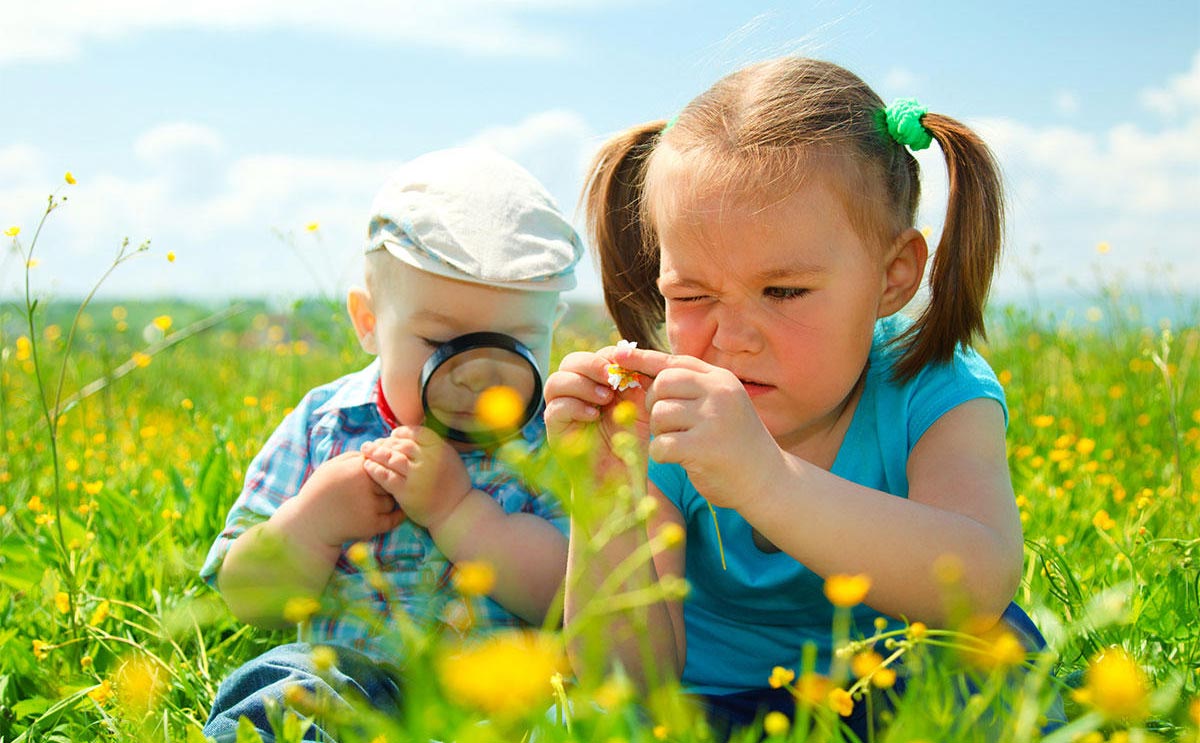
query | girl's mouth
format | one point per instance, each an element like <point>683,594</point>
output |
<point>753,389</point>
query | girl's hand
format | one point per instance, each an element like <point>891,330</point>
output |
<point>702,419</point>
<point>579,398</point>
<point>421,470</point>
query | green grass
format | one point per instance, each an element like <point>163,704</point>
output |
<point>106,633</point>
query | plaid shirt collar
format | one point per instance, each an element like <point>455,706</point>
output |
<point>359,391</point>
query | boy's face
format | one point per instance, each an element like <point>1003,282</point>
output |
<point>408,313</point>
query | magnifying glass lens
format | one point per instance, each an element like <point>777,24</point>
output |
<point>480,388</point>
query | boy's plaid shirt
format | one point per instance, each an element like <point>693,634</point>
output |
<point>338,417</point>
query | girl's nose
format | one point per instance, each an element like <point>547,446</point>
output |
<point>735,332</point>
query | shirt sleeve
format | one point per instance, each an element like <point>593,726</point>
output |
<point>941,387</point>
<point>274,475</point>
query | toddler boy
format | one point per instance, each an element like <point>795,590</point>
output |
<point>459,241</point>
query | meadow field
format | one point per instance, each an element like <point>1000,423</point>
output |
<point>126,427</point>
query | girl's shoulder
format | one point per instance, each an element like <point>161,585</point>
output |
<point>938,386</point>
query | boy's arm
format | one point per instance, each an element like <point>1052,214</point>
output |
<point>527,552</point>
<point>430,482</point>
<point>293,554</point>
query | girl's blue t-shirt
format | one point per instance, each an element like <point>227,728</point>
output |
<point>764,608</point>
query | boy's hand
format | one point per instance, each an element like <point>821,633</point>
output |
<point>421,470</point>
<point>339,503</point>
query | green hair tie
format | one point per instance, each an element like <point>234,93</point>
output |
<point>903,120</point>
<point>670,123</point>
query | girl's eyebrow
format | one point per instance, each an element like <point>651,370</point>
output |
<point>792,270</point>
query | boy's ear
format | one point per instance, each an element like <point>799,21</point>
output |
<point>903,271</point>
<point>362,316</point>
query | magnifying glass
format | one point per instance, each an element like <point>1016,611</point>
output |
<point>480,388</point>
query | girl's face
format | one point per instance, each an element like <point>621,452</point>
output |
<point>783,295</point>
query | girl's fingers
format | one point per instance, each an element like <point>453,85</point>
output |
<point>566,410</point>
<point>669,415</point>
<point>567,385</point>
<point>653,363</point>
<point>669,448</point>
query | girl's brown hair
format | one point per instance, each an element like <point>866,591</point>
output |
<point>764,128</point>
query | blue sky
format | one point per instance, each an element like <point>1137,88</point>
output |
<point>218,130</point>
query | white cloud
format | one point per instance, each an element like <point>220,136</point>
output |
<point>1179,95</point>
<point>1071,188</point>
<point>40,31</point>
<point>220,215</point>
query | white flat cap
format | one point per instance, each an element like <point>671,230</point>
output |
<point>471,214</point>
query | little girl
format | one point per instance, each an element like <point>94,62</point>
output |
<point>769,228</point>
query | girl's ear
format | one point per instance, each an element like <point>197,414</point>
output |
<point>362,316</point>
<point>903,271</point>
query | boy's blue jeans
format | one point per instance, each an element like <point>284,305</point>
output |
<point>270,675</point>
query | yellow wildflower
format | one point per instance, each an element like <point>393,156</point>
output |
<point>1043,421</point>
<point>250,401</point>
<point>500,408</point>
<point>41,649</point>
<point>324,658</point>
<point>625,413</point>
<point>299,609</point>
<point>672,535</point>
<point>776,723</point>
<point>999,648</point>
<point>1115,686</point>
<point>62,602</point>
<point>1103,521</point>
<point>100,613</point>
<point>660,732</point>
<point>359,553</point>
<point>474,578</point>
<point>141,359</point>
<point>312,226</point>
<point>70,179</point>
<point>139,684</point>
<point>812,689</point>
<point>505,675</point>
<point>781,677</point>
<point>94,487</point>
<point>170,257</point>
<point>846,591</point>
<point>841,701</point>
<point>162,322</point>
<point>1102,248</point>
<point>865,663</point>
<point>3,510</point>
<point>35,504</point>
<point>13,231</point>
<point>101,692</point>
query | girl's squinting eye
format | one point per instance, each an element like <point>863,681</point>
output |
<point>431,342</point>
<point>784,292</point>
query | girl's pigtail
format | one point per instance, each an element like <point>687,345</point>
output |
<point>967,254</point>
<point>628,254</point>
